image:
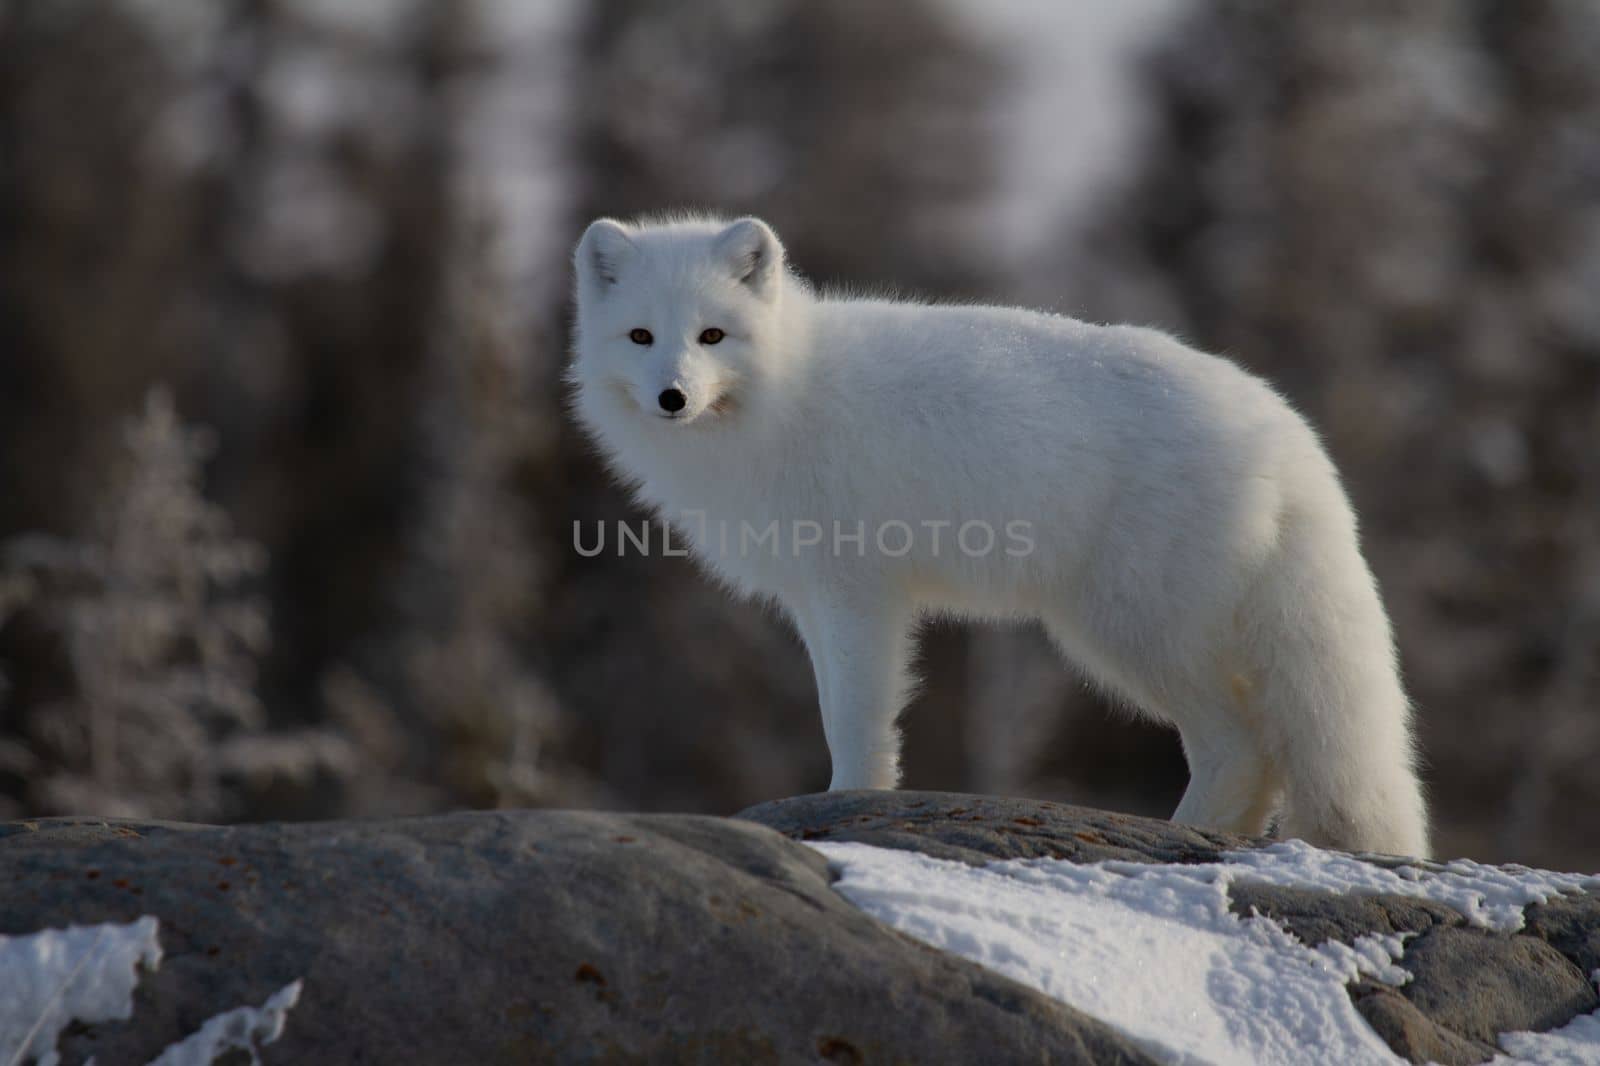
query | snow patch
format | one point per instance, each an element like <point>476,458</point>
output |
<point>242,1029</point>
<point>1492,897</point>
<point>1375,955</point>
<point>1156,951</point>
<point>87,973</point>
<point>82,972</point>
<point>1153,950</point>
<point>1575,1044</point>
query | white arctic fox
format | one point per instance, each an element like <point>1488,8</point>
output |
<point>1174,524</point>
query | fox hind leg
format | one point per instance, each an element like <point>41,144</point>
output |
<point>1233,785</point>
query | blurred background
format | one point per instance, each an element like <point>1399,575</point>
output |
<point>286,489</point>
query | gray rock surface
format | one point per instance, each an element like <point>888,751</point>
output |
<point>1411,1033</point>
<point>1317,917</point>
<point>521,938</point>
<point>1481,984</point>
<point>562,937</point>
<point>1568,923</point>
<point>980,829</point>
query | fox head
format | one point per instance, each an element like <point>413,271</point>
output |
<point>678,317</point>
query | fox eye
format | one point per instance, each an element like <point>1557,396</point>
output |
<point>640,336</point>
<point>711,336</point>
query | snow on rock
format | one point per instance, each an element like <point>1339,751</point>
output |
<point>87,973</point>
<point>83,972</point>
<point>1373,955</point>
<point>241,1029</point>
<point>1575,1044</point>
<point>1492,897</point>
<point>1155,950</point>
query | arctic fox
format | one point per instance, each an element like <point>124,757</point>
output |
<point>1178,529</point>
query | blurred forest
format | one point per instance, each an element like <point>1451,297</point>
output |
<point>286,488</point>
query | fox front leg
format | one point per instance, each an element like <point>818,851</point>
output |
<point>860,655</point>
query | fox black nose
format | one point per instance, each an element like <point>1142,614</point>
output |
<point>671,400</point>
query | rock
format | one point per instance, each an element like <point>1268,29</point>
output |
<point>1480,984</point>
<point>1468,985</point>
<point>1571,925</point>
<point>585,937</point>
<point>1411,1033</point>
<point>523,937</point>
<point>980,829</point>
<point>1316,917</point>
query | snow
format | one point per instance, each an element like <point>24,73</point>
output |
<point>1492,897</point>
<point>83,972</point>
<point>1575,1044</point>
<point>87,973</point>
<point>1155,951</point>
<point>243,1028</point>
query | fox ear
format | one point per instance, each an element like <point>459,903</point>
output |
<point>601,253</point>
<point>751,252</point>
